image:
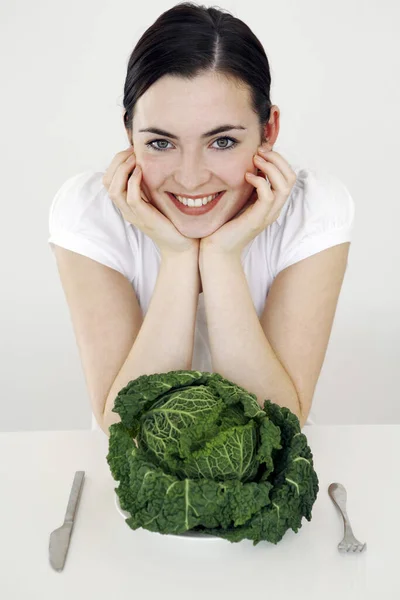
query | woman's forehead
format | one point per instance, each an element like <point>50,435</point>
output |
<point>200,101</point>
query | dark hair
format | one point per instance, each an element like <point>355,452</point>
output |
<point>188,40</point>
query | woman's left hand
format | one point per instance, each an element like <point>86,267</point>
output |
<point>264,205</point>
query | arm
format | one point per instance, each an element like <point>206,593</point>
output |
<point>165,340</point>
<point>239,348</point>
<point>116,344</point>
<point>280,356</point>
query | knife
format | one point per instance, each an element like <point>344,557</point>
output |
<point>60,538</point>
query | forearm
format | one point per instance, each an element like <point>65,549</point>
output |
<point>239,348</point>
<point>165,340</point>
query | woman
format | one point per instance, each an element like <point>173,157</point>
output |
<point>245,285</point>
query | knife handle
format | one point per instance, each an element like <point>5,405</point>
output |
<point>74,496</point>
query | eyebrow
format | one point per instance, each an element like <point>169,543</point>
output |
<point>207,134</point>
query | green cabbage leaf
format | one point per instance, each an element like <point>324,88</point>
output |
<point>194,451</point>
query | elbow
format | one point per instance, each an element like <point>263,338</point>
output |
<point>300,410</point>
<point>102,424</point>
<point>105,429</point>
<point>303,413</point>
<point>300,415</point>
<point>108,419</point>
<point>302,420</point>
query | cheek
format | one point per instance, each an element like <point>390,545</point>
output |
<point>233,173</point>
<point>151,176</point>
<point>153,172</point>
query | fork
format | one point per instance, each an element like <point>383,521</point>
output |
<point>349,542</point>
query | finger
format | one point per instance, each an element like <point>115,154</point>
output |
<point>119,185</point>
<point>275,176</point>
<point>270,206</point>
<point>118,159</point>
<point>134,187</point>
<point>262,186</point>
<point>279,162</point>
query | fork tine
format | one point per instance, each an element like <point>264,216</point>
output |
<point>357,547</point>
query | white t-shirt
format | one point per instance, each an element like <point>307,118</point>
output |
<point>318,214</point>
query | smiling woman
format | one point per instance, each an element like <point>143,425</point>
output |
<point>193,161</point>
<point>200,247</point>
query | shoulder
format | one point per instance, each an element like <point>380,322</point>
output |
<point>318,214</point>
<point>319,202</point>
<point>84,219</point>
<point>84,196</point>
<point>81,188</point>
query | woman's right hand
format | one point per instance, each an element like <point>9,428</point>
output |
<point>124,189</point>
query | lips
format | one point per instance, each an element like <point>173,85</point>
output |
<point>196,210</point>
<point>197,197</point>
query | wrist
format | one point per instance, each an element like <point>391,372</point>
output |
<point>187,255</point>
<point>184,265</point>
<point>210,252</point>
<point>217,261</point>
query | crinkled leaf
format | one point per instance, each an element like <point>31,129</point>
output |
<point>209,458</point>
<point>119,443</point>
<point>229,455</point>
<point>167,504</point>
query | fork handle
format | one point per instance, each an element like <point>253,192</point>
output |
<point>339,496</point>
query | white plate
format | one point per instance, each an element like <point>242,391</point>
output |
<point>186,534</point>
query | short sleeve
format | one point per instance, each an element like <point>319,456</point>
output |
<point>319,214</point>
<point>84,219</point>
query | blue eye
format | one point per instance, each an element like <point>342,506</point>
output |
<point>233,140</point>
<point>234,143</point>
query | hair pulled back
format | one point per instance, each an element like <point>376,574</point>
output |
<point>190,40</point>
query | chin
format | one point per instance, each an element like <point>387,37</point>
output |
<point>196,231</point>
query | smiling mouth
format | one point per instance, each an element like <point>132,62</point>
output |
<point>196,210</point>
<point>197,201</point>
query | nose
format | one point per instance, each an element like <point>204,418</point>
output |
<point>191,175</point>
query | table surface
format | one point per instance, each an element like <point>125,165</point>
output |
<point>107,559</point>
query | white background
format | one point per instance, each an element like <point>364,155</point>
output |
<point>335,77</point>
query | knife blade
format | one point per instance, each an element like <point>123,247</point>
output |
<point>60,537</point>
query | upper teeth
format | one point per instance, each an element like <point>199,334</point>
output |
<point>198,201</point>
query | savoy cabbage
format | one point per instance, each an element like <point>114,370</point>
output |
<point>194,451</point>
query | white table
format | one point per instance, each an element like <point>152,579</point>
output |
<point>108,560</point>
